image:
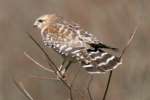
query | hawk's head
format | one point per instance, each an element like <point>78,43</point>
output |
<point>45,20</point>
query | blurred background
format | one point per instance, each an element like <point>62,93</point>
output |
<point>112,21</point>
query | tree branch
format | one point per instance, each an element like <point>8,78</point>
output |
<point>107,86</point>
<point>122,53</point>
<point>129,41</point>
<point>53,65</point>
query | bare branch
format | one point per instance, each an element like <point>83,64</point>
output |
<point>37,63</point>
<point>129,41</point>
<point>21,87</point>
<point>107,85</point>
<point>122,53</point>
<point>50,62</point>
<point>42,49</point>
<point>53,65</point>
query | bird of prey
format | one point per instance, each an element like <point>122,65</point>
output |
<point>75,44</point>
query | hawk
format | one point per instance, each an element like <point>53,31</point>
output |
<point>75,44</point>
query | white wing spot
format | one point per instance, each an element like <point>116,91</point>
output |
<point>99,57</point>
<point>81,57</point>
<point>86,66</point>
<point>107,61</point>
<point>98,72</point>
<point>76,51</point>
<point>103,54</point>
<point>62,47</point>
<point>91,53</point>
<point>68,49</point>
<point>65,31</point>
<point>61,28</point>
<point>57,45</point>
<point>78,54</point>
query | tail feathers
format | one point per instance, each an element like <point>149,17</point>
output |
<point>96,61</point>
<point>101,62</point>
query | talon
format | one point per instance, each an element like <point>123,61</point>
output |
<point>61,75</point>
<point>64,77</point>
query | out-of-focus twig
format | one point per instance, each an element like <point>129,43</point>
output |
<point>129,41</point>
<point>42,49</point>
<point>21,87</point>
<point>50,62</point>
<point>122,53</point>
<point>53,65</point>
<point>37,63</point>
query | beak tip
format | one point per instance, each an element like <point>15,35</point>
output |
<point>34,26</point>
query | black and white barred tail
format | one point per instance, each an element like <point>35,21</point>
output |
<point>96,62</point>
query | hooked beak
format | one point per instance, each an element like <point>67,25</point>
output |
<point>35,25</point>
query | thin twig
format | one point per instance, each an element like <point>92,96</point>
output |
<point>88,88</point>
<point>122,53</point>
<point>129,42</point>
<point>21,87</point>
<point>37,63</point>
<point>108,84</point>
<point>51,63</point>
<point>43,78</point>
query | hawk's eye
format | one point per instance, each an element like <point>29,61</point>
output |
<point>40,20</point>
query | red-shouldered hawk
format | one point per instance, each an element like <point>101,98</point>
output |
<point>74,43</point>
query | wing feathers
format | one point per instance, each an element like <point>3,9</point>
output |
<point>101,46</point>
